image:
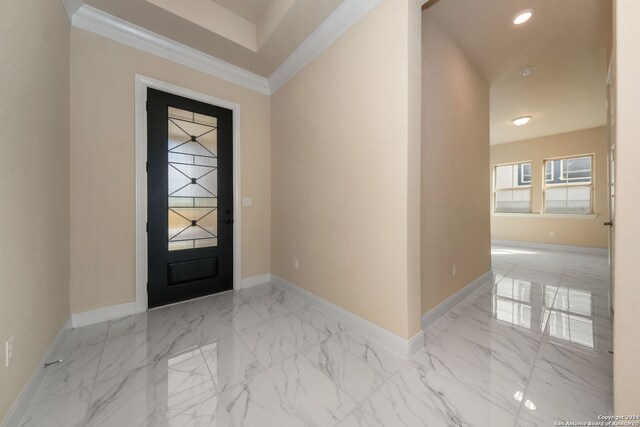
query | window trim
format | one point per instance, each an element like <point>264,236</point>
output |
<point>543,215</point>
<point>565,161</point>
<point>544,170</point>
<point>521,167</point>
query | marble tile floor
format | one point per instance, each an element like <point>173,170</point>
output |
<point>527,349</point>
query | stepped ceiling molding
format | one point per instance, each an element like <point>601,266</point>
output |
<point>258,44</point>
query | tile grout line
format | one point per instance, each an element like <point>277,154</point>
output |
<point>95,378</point>
<point>301,352</point>
<point>266,372</point>
<point>235,332</point>
<point>535,359</point>
<point>343,331</point>
<point>297,316</point>
<point>387,376</point>
<point>212,379</point>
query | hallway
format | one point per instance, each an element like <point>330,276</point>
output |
<point>528,350</point>
<point>535,346</point>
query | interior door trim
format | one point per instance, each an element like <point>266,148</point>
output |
<point>141,262</point>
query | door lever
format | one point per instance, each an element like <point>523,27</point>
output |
<point>608,223</point>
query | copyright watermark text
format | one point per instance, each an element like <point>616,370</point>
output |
<point>604,421</point>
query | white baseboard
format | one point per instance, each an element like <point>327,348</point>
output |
<point>255,281</point>
<point>431,316</point>
<point>415,344</point>
<point>551,247</point>
<point>401,346</point>
<point>117,311</point>
<point>31,387</point>
<point>102,314</point>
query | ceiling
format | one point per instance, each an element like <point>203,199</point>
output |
<point>257,35</point>
<point>566,41</point>
<point>251,10</point>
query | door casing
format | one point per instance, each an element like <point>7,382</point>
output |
<point>611,160</point>
<point>141,263</point>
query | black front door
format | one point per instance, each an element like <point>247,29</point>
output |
<point>190,198</point>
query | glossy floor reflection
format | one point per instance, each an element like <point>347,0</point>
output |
<point>530,348</point>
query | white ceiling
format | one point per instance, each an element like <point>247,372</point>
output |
<point>257,35</point>
<point>566,42</point>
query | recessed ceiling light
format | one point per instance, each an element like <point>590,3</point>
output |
<point>530,405</point>
<point>521,121</point>
<point>528,71</point>
<point>522,17</point>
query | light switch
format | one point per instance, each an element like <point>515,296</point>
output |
<point>247,201</point>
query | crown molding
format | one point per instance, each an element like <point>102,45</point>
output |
<point>106,25</point>
<point>71,6</point>
<point>96,21</point>
<point>345,15</point>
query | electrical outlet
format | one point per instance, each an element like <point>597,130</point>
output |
<point>552,234</point>
<point>9,351</point>
<point>296,264</point>
<point>454,270</point>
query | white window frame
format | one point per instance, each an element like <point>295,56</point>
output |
<point>521,167</point>
<point>567,184</point>
<point>544,169</point>
<point>563,161</point>
<point>524,187</point>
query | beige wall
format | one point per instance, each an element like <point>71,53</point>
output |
<point>627,226</point>
<point>455,168</point>
<point>34,184</point>
<point>414,166</point>
<point>102,166</point>
<point>340,170</point>
<point>568,231</point>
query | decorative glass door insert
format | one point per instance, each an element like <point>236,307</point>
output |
<point>192,180</point>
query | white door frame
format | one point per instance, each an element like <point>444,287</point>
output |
<point>141,85</point>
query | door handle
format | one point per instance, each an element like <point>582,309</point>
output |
<point>227,221</point>
<point>608,223</point>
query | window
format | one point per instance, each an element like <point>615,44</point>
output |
<point>512,188</point>
<point>568,185</point>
